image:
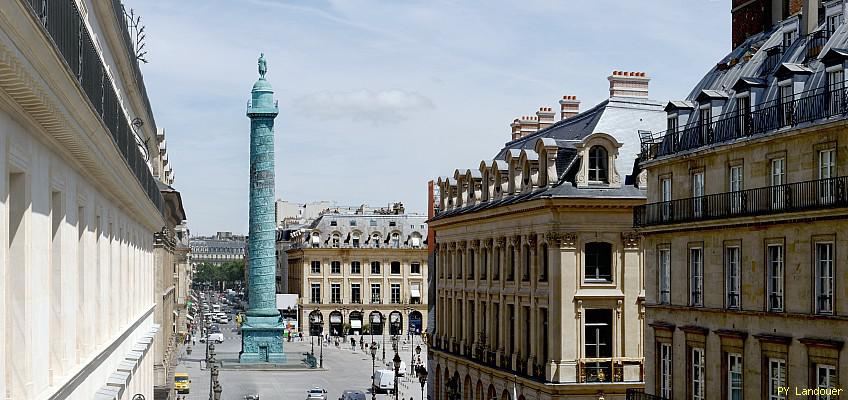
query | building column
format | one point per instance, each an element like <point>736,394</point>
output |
<point>562,253</point>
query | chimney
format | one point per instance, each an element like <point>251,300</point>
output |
<point>569,106</point>
<point>628,84</point>
<point>529,125</point>
<point>546,116</point>
<point>516,129</point>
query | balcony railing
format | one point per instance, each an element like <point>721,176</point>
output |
<point>792,197</point>
<point>808,106</point>
<point>639,394</point>
<point>600,370</point>
<point>64,25</point>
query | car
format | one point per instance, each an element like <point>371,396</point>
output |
<point>383,381</point>
<point>251,397</point>
<point>182,383</point>
<point>353,395</point>
<point>316,393</point>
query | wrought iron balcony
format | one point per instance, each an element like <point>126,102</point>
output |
<point>64,25</point>
<point>639,394</point>
<point>809,106</point>
<point>792,197</point>
<point>600,370</point>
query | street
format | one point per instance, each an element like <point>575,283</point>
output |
<point>344,369</point>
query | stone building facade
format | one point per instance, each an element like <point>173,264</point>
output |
<point>361,273</point>
<point>79,204</point>
<point>538,271</point>
<point>746,220</point>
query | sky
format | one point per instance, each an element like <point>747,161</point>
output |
<point>378,97</point>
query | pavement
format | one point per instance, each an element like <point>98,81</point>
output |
<point>343,369</point>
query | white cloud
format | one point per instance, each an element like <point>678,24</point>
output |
<point>384,106</point>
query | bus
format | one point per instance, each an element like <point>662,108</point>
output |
<point>182,383</point>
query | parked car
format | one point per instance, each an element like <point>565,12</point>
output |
<point>353,395</point>
<point>251,397</point>
<point>383,381</point>
<point>316,393</point>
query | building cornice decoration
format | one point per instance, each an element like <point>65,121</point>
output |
<point>532,240</point>
<point>515,240</point>
<point>631,240</point>
<point>452,245</point>
<point>461,245</point>
<point>501,241</point>
<point>474,244</point>
<point>487,243</point>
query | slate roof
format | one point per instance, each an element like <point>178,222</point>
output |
<point>619,117</point>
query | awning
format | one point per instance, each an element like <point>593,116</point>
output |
<point>355,324</point>
<point>190,318</point>
<point>416,291</point>
<point>176,313</point>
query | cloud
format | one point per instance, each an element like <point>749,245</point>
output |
<point>378,107</point>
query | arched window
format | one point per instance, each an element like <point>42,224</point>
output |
<point>598,266</point>
<point>375,239</point>
<point>335,239</point>
<point>355,239</point>
<point>395,240</point>
<point>598,164</point>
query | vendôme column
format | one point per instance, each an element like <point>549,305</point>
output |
<point>262,331</point>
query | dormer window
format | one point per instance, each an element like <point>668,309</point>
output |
<point>833,21</point>
<point>335,240</point>
<point>743,112</point>
<point>705,116</point>
<point>835,89</point>
<point>671,127</point>
<point>598,164</point>
<point>786,96</point>
<point>789,37</point>
<point>355,239</point>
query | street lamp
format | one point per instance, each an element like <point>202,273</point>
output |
<point>218,391</point>
<point>418,353</point>
<point>373,357</point>
<point>395,340</point>
<point>321,343</point>
<point>396,360</point>
<point>422,377</point>
<point>213,370</point>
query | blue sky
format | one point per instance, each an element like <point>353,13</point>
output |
<point>378,97</point>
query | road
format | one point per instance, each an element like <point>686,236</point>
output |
<point>344,369</point>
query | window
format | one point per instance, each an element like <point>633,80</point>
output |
<point>375,267</point>
<point>355,239</point>
<point>598,262</point>
<point>697,193</point>
<point>315,295</point>
<point>598,334</point>
<point>395,268</point>
<point>786,96</point>
<point>836,90</point>
<point>789,37</point>
<point>665,276</point>
<point>373,222</point>
<point>392,223</point>
<point>335,240</point>
<point>665,185</point>
<point>598,164</point>
<point>316,267</point>
<point>824,278</point>
<point>395,240</point>
<point>665,370</point>
<point>355,267</point>
<point>335,267</point>
<point>316,239</point>
<point>334,223</point>
<point>775,277</point>
<point>415,268</point>
<point>355,295</point>
<point>736,199</point>
<point>734,277</point>
<point>778,178</point>
<point>833,22</point>
<point>513,255</point>
<point>705,115</point>
<point>734,376</point>
<point>743,112</point>
<point>353,222</point>
<point>825,379</point>
<point>696,272</point>
<point>375,293</point>
<point>335,293</point>
<point>543,274</point>
<point>375,239</point>
<point>395,288</point>
<point>525,274</point>
<point>698,380</point>
<point>496,267</point>
<point>827,166</point>
<point>671,125</point>
<point>776,378</point>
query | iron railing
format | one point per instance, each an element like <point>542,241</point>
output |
<point>639,394</point>
<point>808,106</point>
<point>65,27</point>
<point>792,197</point>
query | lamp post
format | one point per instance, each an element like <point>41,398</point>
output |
<point>373,357</point>
<point>396,361</point>
<point>213,370</point>
<point>383,334</point>
<point>321,344</point>
<point>218,391</point>
<point>422,377</point>
<point>417,352</point>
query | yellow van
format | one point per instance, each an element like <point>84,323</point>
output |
<point>182,383</point>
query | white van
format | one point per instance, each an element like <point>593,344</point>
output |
<point>384,381</point>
